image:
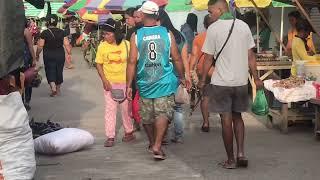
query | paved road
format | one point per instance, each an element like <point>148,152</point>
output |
<point>273,156</point>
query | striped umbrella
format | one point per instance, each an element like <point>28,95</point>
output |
<point>123,4</point>
<point>96,4</point>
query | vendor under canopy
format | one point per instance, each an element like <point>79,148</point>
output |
<point>300,48</point>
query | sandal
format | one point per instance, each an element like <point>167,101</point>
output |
<point>149,149</point>
<point>159,155</point>
<point>228,165</point>
<point>128,137</point>
<point>53,94</point>
<point>242,162</point>
<point>109,142</point>
<point>205,128</point>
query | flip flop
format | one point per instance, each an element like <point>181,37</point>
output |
<point>205,128</point>
<point>242,162</point>
<point>53,94</point>
<point>149,149</point>
<point>159,155</point>
<point>227,165</point>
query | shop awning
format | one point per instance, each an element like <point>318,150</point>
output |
<point>202,4</point>
<point>31,11</point>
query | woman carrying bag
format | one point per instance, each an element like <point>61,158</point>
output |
<point>111,60</point>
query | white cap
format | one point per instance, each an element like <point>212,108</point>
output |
<point>149,7</point>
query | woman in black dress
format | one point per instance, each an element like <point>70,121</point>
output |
<point>53,41</point>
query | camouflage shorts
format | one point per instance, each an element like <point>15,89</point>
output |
<point>151,109</point>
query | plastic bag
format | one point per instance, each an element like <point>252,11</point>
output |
<point>182,95</point>
<point>260,104</point>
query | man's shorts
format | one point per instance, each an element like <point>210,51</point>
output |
<point>151,109</point>
<point>228,99</point>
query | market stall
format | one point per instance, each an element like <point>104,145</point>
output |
<point>294,94</point>
<point>316,103</point>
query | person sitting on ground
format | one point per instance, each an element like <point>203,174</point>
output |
<point>150,62</point>
<point>196,62</point>
<point>111,60</point>
<point>300,46</point>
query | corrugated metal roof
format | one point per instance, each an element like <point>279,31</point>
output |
<point>31,11</point>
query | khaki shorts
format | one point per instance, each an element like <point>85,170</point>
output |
<point>151,109</point>
<point>228,99</point>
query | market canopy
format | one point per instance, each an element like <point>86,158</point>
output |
<point>203,4</point>
<point>31,11</point>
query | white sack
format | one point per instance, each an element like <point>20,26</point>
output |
<point>63,141</point>
<point>16,144</point>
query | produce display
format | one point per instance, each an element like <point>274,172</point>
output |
<point>291,82</point>
<point>265,57</point>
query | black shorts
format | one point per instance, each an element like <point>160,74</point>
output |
<point>228,99</point>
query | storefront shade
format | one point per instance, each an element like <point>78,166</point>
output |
<point>31,11</point>
<point>203,4</point>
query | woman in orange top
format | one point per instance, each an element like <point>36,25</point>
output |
<point>293,18</point>
<point>196,62</point>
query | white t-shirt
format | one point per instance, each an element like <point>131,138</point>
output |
<point>232,67</point>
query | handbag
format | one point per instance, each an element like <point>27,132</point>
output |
<point>118,92</point>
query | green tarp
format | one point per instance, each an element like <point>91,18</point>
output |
<point>276,3</point>
<point>179,5</point>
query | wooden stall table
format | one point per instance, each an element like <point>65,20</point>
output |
<point>285,115</point>
<point>269,68</point>
<point>316,102</point>
<point>295,104</point>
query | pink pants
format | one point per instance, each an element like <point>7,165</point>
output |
<point>111,115</point>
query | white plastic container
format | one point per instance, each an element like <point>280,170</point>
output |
<point>313,70</point>
<point>300,68</point>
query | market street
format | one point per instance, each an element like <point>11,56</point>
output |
<point>272,155</point>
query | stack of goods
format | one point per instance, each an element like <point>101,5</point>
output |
<point>265,57</point>
<point>39,128</point>
<point>291,82</point>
